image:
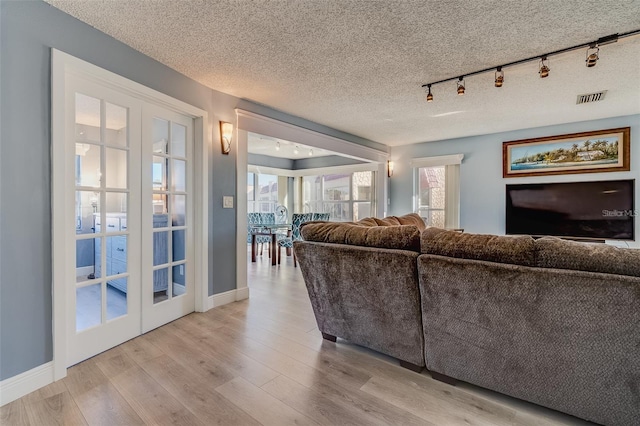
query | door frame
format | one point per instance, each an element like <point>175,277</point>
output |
<point>63,67</point>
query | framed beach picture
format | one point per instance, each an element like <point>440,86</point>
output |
<point>588,152</point>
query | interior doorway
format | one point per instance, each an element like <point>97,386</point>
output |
<point>313,142</point>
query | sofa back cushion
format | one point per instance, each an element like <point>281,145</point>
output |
<point>367,221</point>
<point>554,252</point>
<point>516,250</point>
<point>408,219</point>
<point>403,237</point>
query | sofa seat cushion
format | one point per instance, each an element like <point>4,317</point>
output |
<point>516,250</point>
<point>403,237</point>
<point>552,252</point>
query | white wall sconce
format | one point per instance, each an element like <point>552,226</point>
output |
<point>226,133</point>
<point>389,168</point>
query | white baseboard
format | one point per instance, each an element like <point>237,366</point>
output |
<point>227,297</point>
<point>242,293</point>
<point>18,386</point>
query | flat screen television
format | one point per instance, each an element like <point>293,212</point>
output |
<point>590,210</point>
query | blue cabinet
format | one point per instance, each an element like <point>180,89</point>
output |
<point>116,251</point>
<point>160,253</point>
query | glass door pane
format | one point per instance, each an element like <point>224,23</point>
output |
<point>167,212</point>
<point>101,177</point>
<point>170,170</point>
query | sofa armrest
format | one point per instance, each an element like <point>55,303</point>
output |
<point>366,295</point>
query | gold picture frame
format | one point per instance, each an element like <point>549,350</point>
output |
<point>587,152</point>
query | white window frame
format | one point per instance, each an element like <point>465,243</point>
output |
<point>351,201</point>
<point>452,184</point>
<point>256,201</point>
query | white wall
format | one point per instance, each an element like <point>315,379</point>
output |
<point>482,187</point>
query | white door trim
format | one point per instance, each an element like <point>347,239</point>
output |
<point>63,65</point>
<point>256,123</point>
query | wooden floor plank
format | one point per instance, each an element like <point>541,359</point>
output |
<point>407,396</point>
<point>118,364</point>
<point>141,350</point>
<point>14,414</point>
<point>314,405</point>
<point>368,405</point>
<point>52,389</point>
<point>153,403</point>
<point>348,375</point>
<point>260,405</point>
<point>323,361</point>
<point>104,405</point>
<point>252,370</point>
<point>59,409</point>
<point>84,377</point>
<point>196,391</point>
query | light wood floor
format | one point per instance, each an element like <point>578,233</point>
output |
<point>259,361</point>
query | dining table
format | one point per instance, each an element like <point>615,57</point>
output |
<point>272,229</point>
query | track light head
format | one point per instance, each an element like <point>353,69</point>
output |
<point>429,95</point>
<point>499,77</point>
<point>461,86</point>
<point>592,55</point>
<point>544,68</point>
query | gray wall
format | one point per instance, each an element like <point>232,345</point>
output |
<point>482,188</point>
<point>269,161</point>
<point>28,30</point>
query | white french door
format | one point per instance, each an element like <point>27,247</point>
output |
<point>104,298</point>
<point>167,182</point>
<point>130,217</point>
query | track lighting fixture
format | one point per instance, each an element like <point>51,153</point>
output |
<point>429,95</point>
<point>592,55</point>
<point>277,145</point>
<point>499,77</point>
<point>460,86</point>
<point>544,67</point>
<point>593,50</point>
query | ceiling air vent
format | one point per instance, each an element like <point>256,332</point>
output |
<point>591,97</point>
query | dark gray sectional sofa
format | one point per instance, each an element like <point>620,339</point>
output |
<point>549,321</point>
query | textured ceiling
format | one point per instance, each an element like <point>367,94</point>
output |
<point>357,65</point>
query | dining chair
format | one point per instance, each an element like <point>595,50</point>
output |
<point>297,220</point>
<point>257,219</point>
<point>321,216</point>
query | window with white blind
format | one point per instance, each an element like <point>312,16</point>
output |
<point>437,189</point>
